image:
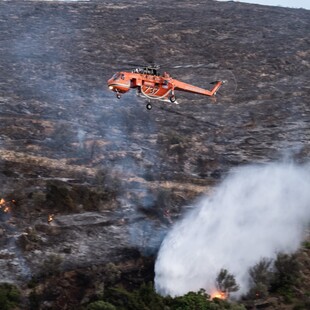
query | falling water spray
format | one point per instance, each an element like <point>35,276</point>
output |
<point>257,212</point>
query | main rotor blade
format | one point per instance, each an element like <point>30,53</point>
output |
<point>150,65</point>
<point>208,66</point>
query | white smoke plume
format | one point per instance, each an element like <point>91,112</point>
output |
<point>255,213</point>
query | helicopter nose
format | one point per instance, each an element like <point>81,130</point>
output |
<point>110,84</point>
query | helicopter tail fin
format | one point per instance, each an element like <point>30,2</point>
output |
<point>217,86</point>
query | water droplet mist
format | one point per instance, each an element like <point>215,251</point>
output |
<point>257,212</point>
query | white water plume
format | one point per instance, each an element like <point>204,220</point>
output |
<point>257,212</point>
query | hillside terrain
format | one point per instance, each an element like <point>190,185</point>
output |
<point>89,180</point>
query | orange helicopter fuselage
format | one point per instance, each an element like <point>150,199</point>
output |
<point>155,86</point>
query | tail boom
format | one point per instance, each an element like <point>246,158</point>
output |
<point>178,85</point>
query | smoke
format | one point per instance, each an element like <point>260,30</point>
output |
<point>255,213</point>
<point>81,137</point>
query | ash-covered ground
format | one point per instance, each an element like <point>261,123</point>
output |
<point>113,175</point>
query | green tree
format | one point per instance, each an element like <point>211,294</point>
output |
<point>226,282</point>
<point>260,277</point>
<point>286,272</point>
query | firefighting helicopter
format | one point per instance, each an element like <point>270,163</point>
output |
<point>153,85</point>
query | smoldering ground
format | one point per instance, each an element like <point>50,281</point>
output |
<point>257,212</point>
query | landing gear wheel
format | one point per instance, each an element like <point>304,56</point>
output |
<point>118,96</point>
<point>149,106</point>
<point>172,99</point>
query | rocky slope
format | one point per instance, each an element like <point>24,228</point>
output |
<point>113,175</point>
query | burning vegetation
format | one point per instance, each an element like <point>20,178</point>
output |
<point>219,294</point>
<point>6,206</point>
<point>50,218</point>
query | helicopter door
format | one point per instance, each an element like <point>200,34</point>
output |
<point>133,83</point>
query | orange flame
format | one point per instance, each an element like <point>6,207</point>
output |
<point>219,294</point>
<point>6,205</point>
<point>50,218</point>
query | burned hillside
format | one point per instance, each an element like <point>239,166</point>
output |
<point>90,179</point>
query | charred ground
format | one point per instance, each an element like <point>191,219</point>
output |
<point>114,175</point>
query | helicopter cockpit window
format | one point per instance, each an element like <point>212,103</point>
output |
<point>116,76</point>
<point>123,76</point>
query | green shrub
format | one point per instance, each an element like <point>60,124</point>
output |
<point>149,297</point>
<point>112,273</point>
<point>122,299</point>
<point>100,305</point>
<point>306,245</point>
<point>63,197</point>
<point>287,295</point>
<point>145,298</point>
<point>51,266</point>
<point>9,296</point>
<point>58,196</point>
<point>193,300</point>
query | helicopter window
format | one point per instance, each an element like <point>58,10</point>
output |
<point>123,76</point>
<point>116,76</point>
